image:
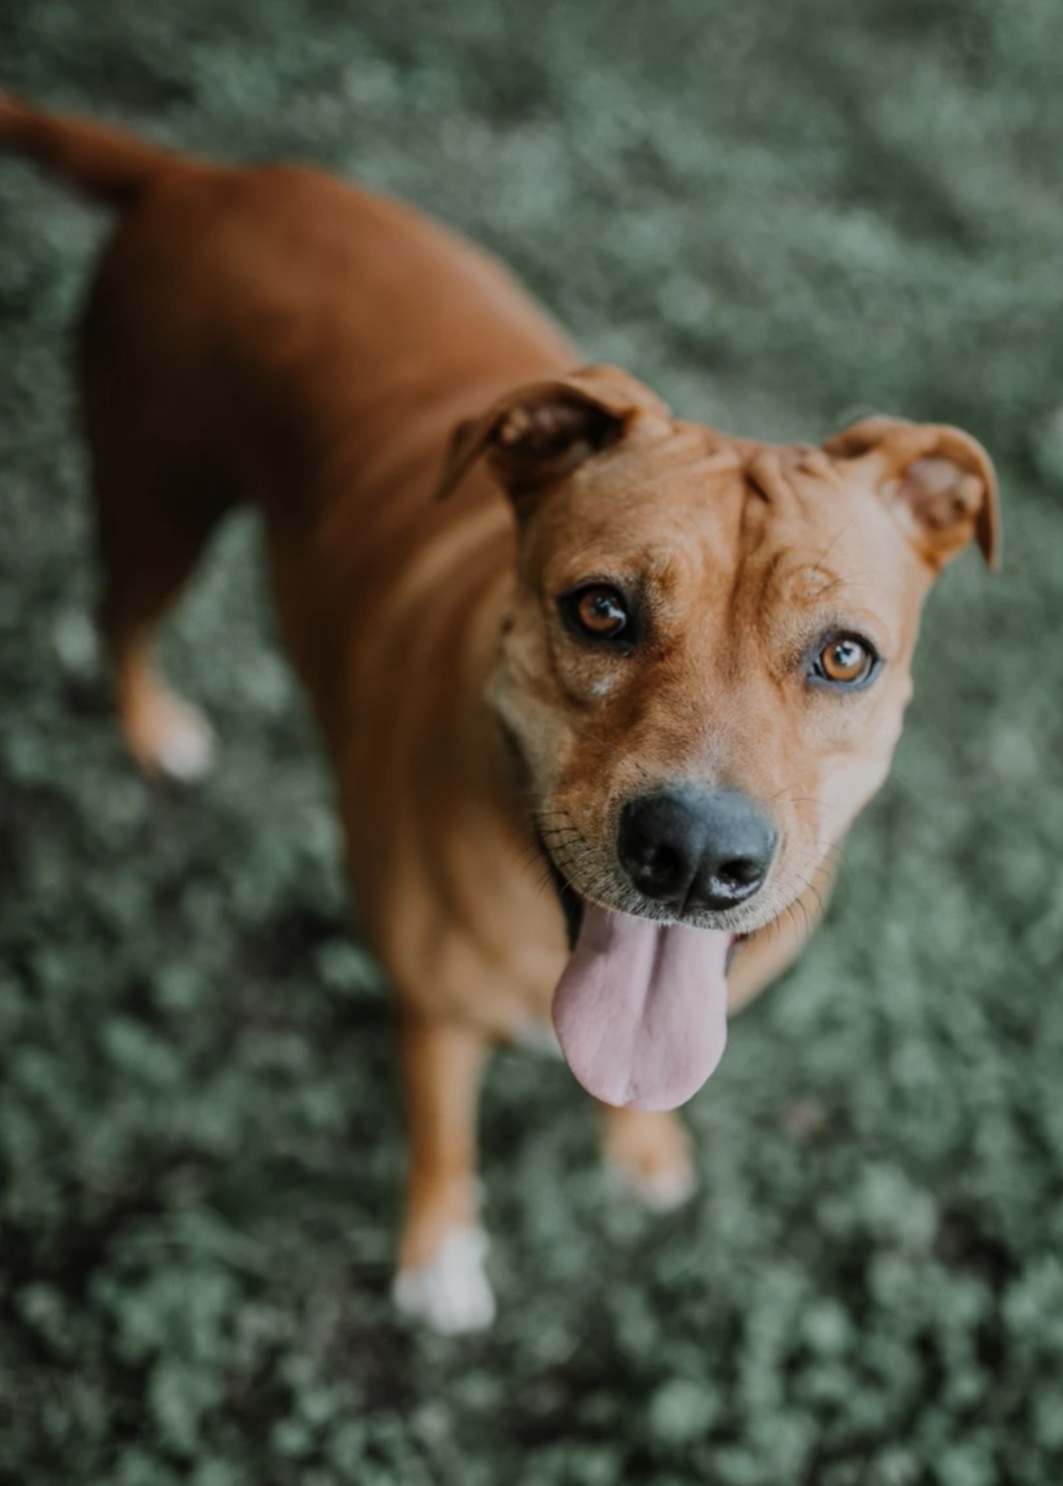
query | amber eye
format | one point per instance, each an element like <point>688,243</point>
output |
<point>846,660</point>
<point>599,612</point>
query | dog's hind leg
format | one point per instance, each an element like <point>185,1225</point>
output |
<point>151,533</point>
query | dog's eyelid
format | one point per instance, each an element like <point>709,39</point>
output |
<point>853,632</point>
<point>862,628</point>
<point>630,591</point>
<point>603,579</point>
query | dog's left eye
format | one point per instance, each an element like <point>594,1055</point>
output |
<point>846,660</point>
<point>598,612</point>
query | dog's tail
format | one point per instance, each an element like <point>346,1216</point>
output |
<point>104,164</point>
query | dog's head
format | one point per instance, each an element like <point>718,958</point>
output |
<point>704,673</point>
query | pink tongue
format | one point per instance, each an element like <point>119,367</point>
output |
<point>641,1009</point>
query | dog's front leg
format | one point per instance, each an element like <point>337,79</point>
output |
<point>441,1278</point>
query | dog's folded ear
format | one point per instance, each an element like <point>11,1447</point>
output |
<point>539,433</point>
<point>938,480</point>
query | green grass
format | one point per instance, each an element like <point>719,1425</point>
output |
<point>779,214</point>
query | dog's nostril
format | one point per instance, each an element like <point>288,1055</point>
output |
<point>655,849</point>
<point>741,871</point>
<point>664,863</point>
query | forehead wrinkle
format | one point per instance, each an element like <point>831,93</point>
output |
<point>810,582</point>
<point>753,530</point>
<point>714,464</point>
<point>643,524</point>
<point>792,494</point>
<point>772,596</point>
<point>860,515</point>
<point>861,528</point>
<point>838,537</point>
<point>823,595</point>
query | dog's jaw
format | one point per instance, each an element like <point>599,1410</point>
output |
<point>571,902</point>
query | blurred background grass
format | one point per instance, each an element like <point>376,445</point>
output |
<point>779,215</point>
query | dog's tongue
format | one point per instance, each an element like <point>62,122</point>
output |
<point>641,1008</point>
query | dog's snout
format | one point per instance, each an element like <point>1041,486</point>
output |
<point>693,848</point>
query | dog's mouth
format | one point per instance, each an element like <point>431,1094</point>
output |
<point>641,1007</point>
<point>572,902</point>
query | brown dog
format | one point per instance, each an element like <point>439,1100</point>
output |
<point>669,665</point>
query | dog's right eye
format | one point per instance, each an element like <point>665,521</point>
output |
<point>597,612</point>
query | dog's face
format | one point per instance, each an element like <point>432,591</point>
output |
<point>703,676</point>
<point>707,660</point>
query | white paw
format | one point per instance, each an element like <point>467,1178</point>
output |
<point>661,1191</point>
<point>450,1293</point>
<point>185,747</point>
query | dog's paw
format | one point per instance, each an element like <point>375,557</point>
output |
<point>662,1189</point>
<point>450,1292</point>
<point>647,1155</point>
<point>171,737</point>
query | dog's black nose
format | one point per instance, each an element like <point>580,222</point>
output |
<point>694,848</point>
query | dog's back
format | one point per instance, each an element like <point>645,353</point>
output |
<point>310,302</point>
<point>260,335</point>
